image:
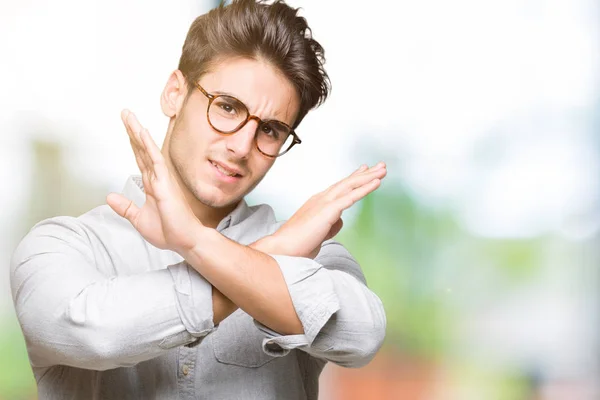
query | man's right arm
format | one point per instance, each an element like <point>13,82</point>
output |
<point>72,314</point>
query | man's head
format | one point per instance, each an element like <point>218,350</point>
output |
<point>263,55</point>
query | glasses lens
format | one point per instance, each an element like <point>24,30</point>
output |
<point>226,113</point>
<point>274,138</point>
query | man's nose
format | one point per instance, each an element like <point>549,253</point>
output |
<point>242,142</point>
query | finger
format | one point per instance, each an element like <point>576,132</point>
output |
<point>364,169</point>
<point>155,156</point>
<point>375,167</point>
<point>135,129</point>
<point>138,158</point>
<point>376,171</point>
<point>125,119</point>
<point>355,181</point>
<point>148,175</point>
<point>360,169</point>
<point>124,114</point>
<point>355,195</point>
<point>360,192</point>
<point>131,121</point>
<point>134,140</point>
<point>133,126</point>
<point>123,206</point>
<point>146,144</point>
<point>152,150</point>
<point>141,157</point>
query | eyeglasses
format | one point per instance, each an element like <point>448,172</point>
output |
<point>227,115</point>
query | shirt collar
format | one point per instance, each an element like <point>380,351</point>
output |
<point>239,213</point>
<point>134,190</point>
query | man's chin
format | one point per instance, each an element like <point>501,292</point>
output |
<point>219,204</point>
<point>217,200</point>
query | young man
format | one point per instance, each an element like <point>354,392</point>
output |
<point>179,289</point>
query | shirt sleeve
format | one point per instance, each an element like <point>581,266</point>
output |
<point>344,322</point>
<point>72,314</point>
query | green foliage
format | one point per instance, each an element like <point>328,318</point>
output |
<point>413,254</point>
<point>16,377</point>
<point>519,259</point>
<point>395,241</point>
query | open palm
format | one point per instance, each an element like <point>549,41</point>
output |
<point>166,219</point>
<point>319,218</point>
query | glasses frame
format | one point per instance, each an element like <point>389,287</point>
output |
<point>212,97</point>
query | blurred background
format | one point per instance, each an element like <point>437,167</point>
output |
<point>482,240</point>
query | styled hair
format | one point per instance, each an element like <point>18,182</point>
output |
<point>254,29</point>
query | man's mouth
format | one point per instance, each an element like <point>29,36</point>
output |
<point>225,170</point>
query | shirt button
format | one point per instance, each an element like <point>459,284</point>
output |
<point>185,370</point>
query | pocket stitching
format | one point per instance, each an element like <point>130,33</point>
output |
<point>220,353</point>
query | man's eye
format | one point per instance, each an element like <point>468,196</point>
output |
<point>227,108</point>
<point>270,131</point>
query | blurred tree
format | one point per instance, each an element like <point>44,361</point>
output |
<point>397,241</point>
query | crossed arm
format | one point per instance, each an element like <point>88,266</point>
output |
<point>258,278</point>
<point>236,271</point>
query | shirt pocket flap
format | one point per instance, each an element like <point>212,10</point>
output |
<point>237,341</point>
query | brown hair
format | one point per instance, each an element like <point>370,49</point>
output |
<point>272,32</point>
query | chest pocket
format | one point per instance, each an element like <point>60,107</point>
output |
<point>237,341</point>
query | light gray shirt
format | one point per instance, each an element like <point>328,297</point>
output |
<point>108,316</point>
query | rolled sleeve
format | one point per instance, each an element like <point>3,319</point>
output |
<point>74,314</point>
<point>344,321</point>
<point>194,300</point>
<point>314,298</point>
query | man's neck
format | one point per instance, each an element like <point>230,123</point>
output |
<point>207,215</point>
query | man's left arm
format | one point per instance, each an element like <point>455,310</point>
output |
<point>344,321</point>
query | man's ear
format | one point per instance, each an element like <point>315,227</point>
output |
<point>173,95</point>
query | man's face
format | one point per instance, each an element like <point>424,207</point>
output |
<point>205,159</point>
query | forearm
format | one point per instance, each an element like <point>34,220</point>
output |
<point>247,277</point>
<point>222,306</point>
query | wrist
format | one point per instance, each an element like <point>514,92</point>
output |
<point>269,244</point>
<point>199,240</point>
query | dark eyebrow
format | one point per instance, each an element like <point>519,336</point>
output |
<point>222,93</point>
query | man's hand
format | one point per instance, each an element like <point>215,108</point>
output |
<point>319,219</point>
<point>166,219</point>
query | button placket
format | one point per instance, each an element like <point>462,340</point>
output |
<point>185,375</point>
